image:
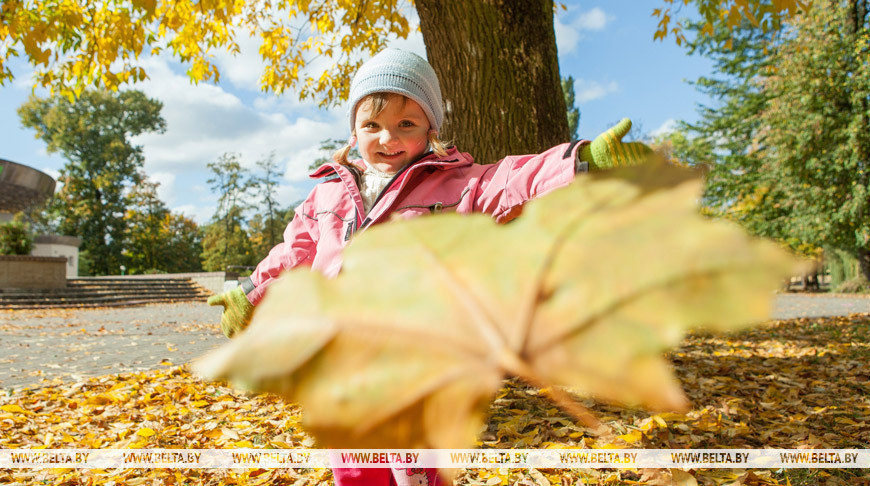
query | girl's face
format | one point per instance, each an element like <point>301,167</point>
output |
<point>396,136</point>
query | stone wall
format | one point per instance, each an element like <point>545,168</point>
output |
<point>32,272</point>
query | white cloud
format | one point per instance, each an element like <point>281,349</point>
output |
<point>288,194</point>
<point>667,126</point>
<point>166,189</point>
<point>594,19</point>
<point>592,90</point>
<point>204,121</point>
<point>200,214</point>
<point>567,37</point>
<point>55,174</point>
<point>244,69</point>
<point>569,33</point>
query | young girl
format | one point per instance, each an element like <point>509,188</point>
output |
<point>406,171</point>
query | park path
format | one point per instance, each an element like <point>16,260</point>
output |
<point>790,306</point>
<point>72,344</point>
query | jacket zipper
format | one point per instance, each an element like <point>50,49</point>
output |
<point>367,221</point>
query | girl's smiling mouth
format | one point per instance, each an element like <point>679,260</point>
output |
<point>391,155</point>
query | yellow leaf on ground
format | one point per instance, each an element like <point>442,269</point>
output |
<point>682,478</point>
<point>632,437</point>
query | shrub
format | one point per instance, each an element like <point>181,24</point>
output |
<point>843,267</point>
<point>15,239</point>
<point>857,285</point>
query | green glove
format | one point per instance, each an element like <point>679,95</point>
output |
<point>608,151</point>
<point>237,310</point>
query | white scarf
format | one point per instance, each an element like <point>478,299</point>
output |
<point>372,182</point>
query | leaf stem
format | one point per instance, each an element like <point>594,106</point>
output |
<point>513,365</point>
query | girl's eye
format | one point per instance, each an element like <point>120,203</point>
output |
<point>406,123</point>
<point>370,125</point>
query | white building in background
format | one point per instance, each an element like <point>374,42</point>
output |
<point>59,246</point>
<point>22,187</point>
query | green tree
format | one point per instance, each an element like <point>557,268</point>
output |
<point>44,218</point>
<point>93,133</point>
<point>266,186</point>
<point>789,138</point>
<point>725,139</point>
<point>143,247</point>
<point>680,148</point>
<point>183,240</point>
<point>226,241</point>
<point>764,15</point>
<point>817,133</point>
<point>267,228</point>
<point>258,228</point>
<point>570,104</point>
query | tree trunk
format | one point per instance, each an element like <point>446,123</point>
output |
<point>497,64</point>
<point>864,263</point>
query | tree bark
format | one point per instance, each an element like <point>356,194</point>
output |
<point>864,263</point>
<point>498,67</point>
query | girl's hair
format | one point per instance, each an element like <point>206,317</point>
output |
<point>379,102</point>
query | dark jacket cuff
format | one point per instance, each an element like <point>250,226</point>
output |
<point>246,284</point>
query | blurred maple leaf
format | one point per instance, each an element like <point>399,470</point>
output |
<point>406,347</point>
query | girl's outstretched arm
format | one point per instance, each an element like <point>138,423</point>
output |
<point>505,186</point>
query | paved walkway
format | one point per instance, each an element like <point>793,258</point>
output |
<point>72,344</point>
<point>790,306</point>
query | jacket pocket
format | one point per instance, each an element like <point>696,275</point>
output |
<point>437,206</point>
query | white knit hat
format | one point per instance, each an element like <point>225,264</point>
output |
<point>400,72</point>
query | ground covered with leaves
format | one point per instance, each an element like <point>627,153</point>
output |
<point>800,383</point>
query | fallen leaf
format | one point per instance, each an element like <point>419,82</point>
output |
<point>682,478</point>
<point>12,408</point>
<point>584,291</point>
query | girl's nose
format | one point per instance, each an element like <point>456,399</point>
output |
<point>387,136</point>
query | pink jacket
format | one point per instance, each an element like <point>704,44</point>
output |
<point>325,222</point>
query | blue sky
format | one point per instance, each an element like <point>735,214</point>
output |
<point>607,47</point>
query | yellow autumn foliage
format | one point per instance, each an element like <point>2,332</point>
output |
<point>74,44</point>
